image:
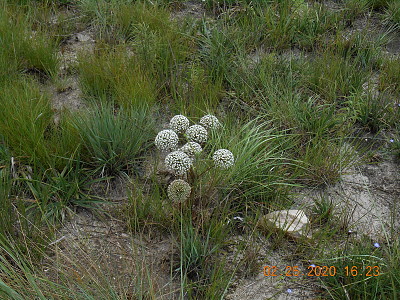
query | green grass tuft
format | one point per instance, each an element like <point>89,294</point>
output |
<point>113,76</point>
<point>113,140</point>
<point>26,121</point>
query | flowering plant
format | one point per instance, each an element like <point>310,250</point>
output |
<point>197,133</point>
<point>166,140</point>
<point>223,158</point>
<point>179,123</point>
<point>179,190</point>
<point>180,162</point>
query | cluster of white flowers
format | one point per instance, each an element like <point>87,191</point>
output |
<point>197,133</point>
<point>179,123</point>
<point>191,148</point>
<point>179,190</point>
<point>166,140</point>
<point>178,162</point>
<point>223,158</point>
<point>210,122</point>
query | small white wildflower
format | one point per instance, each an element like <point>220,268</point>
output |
<point>166,140</point>
<point>179,190</point>
<point>191,148</point>
<point>223,158</point>
<point>197,133</point>
<point>210,122</point>
<point>179,123</point>
<point>178,162</point>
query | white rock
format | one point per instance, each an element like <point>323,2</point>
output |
<point>82,37</point>
<point>293,222</point>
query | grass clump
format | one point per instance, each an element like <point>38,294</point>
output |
<point>323,161</point>
<point>25,121</point>
<point>389,79</point>
<point>334,77</point>
<point>24,278</point>
<point>56,194</point>
<point>204,274</point>
<point>311,119</point>
<point>256,174</point>
<point>116,20</point>
<point>373,112</point>
<point>6,211</point>
<point>113,140</point>
<point>147,209</point>
<point>283,24</point>
<point>262,84</point>
<point>113,76</point>
<point>157,41</point>
<point>359,48</point>
<point>32,52</point>
<point>392,13</point>
<point>195,91</point>
<point>216,51</point>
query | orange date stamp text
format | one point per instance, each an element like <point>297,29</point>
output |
<point>322,271</point>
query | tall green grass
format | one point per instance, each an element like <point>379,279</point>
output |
<point>216,51</point>
<point>111,75</point>
<point>389,79</point>
<point>113,140</point>
<point>314,118</point>
<point>31,51</point>
<point>282,24</point>
<point>158,42</point>
<point>361,49</point>
<point>392,13</point>
<point>26,121</point>
<point>373,112</point>
<point>333,77</point>
<point>6,210</point>
<point>194,91</point>
<point>56,194</point>
<point>259,168</point>
<point>23,277</point>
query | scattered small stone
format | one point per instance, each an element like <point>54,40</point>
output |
<point>293,222</point>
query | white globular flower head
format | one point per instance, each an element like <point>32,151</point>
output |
<point>166,140</point>
<point>179,190</point>
<point>197,133</point>
<point>178,162</point>
<point>191,148</point>
<point>179,123</point>
<point>210,122</point>
<point>223,158</point>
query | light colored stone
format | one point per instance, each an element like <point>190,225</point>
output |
<point>293,222</point>
<point>84,37</point>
